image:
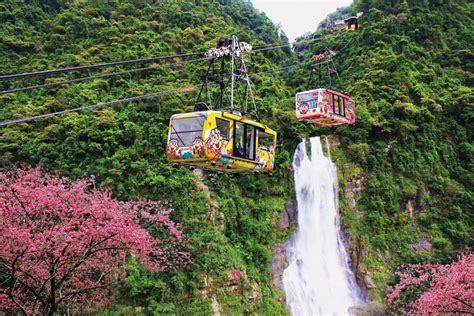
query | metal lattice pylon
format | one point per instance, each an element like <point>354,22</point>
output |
<point>231,79</point>
<point>323,62</point>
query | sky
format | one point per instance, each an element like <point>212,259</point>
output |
<point>298,16</point>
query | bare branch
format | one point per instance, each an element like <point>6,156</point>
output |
<point>89,252</point>
<point>463,302</point>
<point>78,292</point>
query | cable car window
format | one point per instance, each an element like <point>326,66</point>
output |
<point>239,140</point>
<point>338,105</point>
<point>341,105</point>
<point>185,130</point>
<point>265,140</point>
<point>223,126</point>
<point>310,98</point>
<point>343,101</point>
<point>335,104</point>
<point>250,142</point>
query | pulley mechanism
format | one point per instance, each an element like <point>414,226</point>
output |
<point>321,63</point>
<point>226,84</point>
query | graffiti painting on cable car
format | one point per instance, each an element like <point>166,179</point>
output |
<point>172,149</point>
<point>208,141</point>
<point>198,146</point>
<point>214,144</point>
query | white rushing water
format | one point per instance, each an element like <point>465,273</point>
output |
<point>318,279</point>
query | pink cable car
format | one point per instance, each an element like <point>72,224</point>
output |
<point>325,107</point>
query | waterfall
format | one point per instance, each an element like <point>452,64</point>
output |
<point>318,279</point>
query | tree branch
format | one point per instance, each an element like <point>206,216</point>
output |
<point>463,302</point>
<point>78,292</point>
<point>89,252</point>
<point>12,285</point>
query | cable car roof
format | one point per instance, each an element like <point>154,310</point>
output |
<point>327,90</point>
<point>226,114</point>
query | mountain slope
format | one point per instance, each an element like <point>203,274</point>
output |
<point>409,68</point>
<point>407,162</point>
<point>230,229</point>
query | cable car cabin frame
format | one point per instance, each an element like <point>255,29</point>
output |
<point>352,23</point>
<point>222,141</point>
<point>325,107</point>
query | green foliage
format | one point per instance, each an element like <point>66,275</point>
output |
<point>124,146</point>
<point>413,137</point>
<point>409,68</point>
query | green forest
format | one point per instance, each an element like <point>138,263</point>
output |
<point>409,67</point>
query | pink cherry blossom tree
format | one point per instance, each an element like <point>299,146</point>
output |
<point>436,288</point>
<point>63,243</point>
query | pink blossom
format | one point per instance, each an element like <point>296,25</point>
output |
<point>445,288</point>
<point>62,242</point>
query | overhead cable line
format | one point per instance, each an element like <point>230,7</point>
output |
<point>298,64</point>
<point>99,76</point>
<point>44,73</point>
<point>106,75</point>
<point>137,98</point>
<point>96,66</point>
<point>186,89</point>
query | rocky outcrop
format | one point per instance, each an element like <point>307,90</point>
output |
<point>237,277</point>
<point>410,207</point>
<point>213,215</point>
<point>283,221</point>
<point>356,250</point>
<point>334,141</point>
<point>369,309</point>
<point>354,191</point>
<point>289,215</point>
<point>368,281</point>
<point>357,253</point>
<point>292,211</point>
<point>279,264</point>
<point>255,293</point>
<point>215,306</point>
<point>423,244</point>
<point>417,204</point>
<point>205,294</point>
<point>238,281</point>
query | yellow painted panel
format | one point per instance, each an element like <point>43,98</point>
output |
<point>214,152</point>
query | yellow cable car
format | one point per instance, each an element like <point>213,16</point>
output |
<point>221,140</point>
<point>352,23</point>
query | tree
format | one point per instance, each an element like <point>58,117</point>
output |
<point>431,288</point>
<point>63,243</point>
